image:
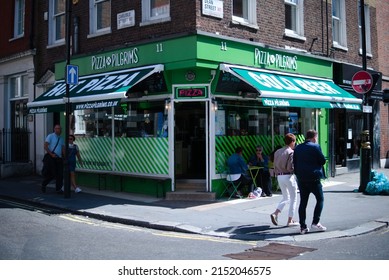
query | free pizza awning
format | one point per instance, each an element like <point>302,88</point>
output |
<point>93,91</point>
<point>288,90</point>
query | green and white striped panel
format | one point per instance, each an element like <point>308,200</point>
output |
<point>127,155</point>
<point>96,153</point>
<point>142,155</point>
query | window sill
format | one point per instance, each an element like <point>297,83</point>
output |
<point>368,54</point>
<point>291,34</point>
<point>56,44</point>
<point>16,38</point>
<point>100,33</point>
<point>245,23</point>
<point>154,21</point>
<point>339,47</point>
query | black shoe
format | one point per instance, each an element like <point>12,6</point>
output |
<point>270,195</point>
<point>263,194</point>
<point>43,189</point>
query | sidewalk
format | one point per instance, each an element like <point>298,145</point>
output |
<point>346,212</point>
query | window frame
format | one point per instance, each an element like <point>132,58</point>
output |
<point>52,23</point>
<point>18,86</point>
<point>298,33</point>
<point>19,18</point>
<point>93,24</point>
<point>249,14</point>
<point>342,25</point>
<point>147,18</point>
<point>367,30</point>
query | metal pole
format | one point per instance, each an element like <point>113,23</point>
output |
<point>365,162</point>
<point>67,104</point>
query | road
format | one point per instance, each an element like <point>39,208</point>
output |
<point>31,233</point>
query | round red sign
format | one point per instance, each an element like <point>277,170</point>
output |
<point>362,82</point>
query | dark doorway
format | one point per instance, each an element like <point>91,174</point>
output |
<point>190,141</point>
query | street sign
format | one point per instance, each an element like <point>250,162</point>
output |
<point>72,74</point>
<point>362,82</point>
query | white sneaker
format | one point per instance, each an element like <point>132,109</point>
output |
<point>318,227</point>
<point>304,230</point>
<point>77,190</point>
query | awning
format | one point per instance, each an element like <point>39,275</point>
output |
<point>288,90</point>
<point>93,91</point>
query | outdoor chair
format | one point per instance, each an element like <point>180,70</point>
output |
<point>230,186</point>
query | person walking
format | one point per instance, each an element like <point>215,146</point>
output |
<point>308,160</point>
<point>74,154</point>
<point>55,148</point>
<point>283,168</point>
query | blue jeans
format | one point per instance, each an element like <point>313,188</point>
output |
<point>306,188</point>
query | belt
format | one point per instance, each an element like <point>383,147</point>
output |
<point>286,173</point>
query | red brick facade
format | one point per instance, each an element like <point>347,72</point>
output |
<point>383,58</point>
<point>8,44</point>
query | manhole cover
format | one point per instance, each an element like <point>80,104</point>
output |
<point>272,251</point>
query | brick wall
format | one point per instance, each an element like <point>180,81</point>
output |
<point>383,54</point>
<point>186,17</point>
<point>9,45</point>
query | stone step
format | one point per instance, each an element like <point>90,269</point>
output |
<point>190,190</point>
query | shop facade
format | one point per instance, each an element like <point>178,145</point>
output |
<point>348,125</point>
<point>148,116</point>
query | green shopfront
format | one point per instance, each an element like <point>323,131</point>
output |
<point>150,116</point>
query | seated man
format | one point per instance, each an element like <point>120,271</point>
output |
<point>263,178</point>
<point>238,170</point>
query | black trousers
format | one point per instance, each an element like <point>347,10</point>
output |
<point>55,172</point>
<point>264,181</point>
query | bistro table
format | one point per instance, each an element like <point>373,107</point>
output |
<point>254,170</point>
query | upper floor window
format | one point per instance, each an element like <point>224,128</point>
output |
<point>57,21</point>
<point>339,35</point>
<point>294,18</point>
<point>19,18</point>
<point>245,12</point>
<point>100,16</point>
<point>155,11</point>
<point>367,29</point>
<point>18,86</point>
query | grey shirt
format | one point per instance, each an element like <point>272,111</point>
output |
<point>283,160</point>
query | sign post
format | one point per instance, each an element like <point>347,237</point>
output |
<point>70,77</point>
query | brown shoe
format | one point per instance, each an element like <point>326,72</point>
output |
<point>274,219</point>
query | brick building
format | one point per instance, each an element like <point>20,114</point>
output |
<point>201,77</point>
<point>17,70</point>
<point>383,57</point>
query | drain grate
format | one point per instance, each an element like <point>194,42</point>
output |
<point>272,251</point>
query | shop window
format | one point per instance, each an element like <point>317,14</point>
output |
<point>127,120</point>
<point>367,29</point>
<point>294,19</point>
<point>154,11</point>
<point>339,35</point>
<point>57,21</point>
<point>19,18</point>
<point>100,16</point>
<point>244,12</point>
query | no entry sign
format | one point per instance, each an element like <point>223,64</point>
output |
<point>362,82</point>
